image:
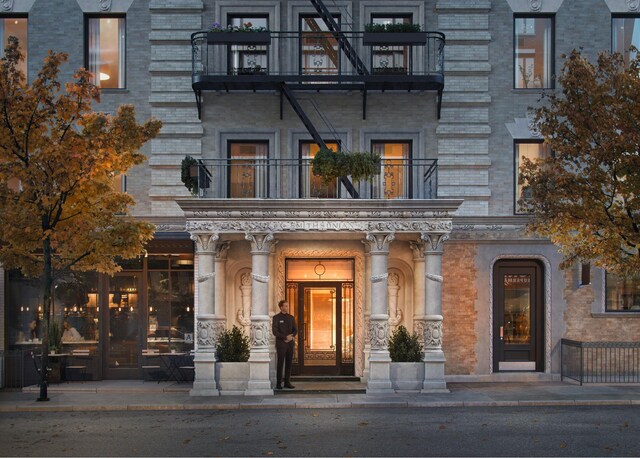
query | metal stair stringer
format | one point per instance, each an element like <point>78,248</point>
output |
<point>297,108</point>
<point>343,42</point>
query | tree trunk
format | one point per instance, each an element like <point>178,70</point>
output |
<point>47,283</point>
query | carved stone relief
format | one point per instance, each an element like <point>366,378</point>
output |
<point>379,332</point>
<point>393,289</point>
<point>432,334</point>
<point>260,334</point>
<point>331,225</point>
<point>6,5</point>
<point>105,5</point>
<point>208,331</point>
<point>244,312</point>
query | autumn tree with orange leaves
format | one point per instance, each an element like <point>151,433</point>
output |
<point>58,159</point>
<point>586,197</point>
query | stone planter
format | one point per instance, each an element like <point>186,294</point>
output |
<point>239,38</point>
<point>394,38</point>
<point>232,378</point>
<point>407,376</point>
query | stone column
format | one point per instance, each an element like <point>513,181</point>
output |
<point>208,326</point>
<point>259,359</point>
<point>434,359</point>
<point>419,310</point>
<point>379,360</point>
<point>244,313</point>
<point>367,309</point>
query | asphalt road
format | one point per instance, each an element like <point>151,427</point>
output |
<point>498,431</point>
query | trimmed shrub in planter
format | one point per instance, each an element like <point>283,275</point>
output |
<point>404,347</point>
<point>233,346</point>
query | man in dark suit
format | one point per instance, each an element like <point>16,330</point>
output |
<point>285,330</point>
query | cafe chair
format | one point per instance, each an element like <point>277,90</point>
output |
<point>187,368</point>
<point>150,364</point>
<point>79,361</point>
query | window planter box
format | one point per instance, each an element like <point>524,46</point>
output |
<point>394,38</point>
<point>389,71</point>
<point>239,38</point>
<point>251,71</point>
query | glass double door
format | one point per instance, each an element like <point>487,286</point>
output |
<point>325,319</point>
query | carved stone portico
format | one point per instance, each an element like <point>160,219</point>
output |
<point>378,224</point>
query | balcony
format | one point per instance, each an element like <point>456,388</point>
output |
<point>258,178</point>
<point>251,61</point>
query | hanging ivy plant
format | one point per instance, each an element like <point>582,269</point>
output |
<point>190,181</point>
<point>330,165</point>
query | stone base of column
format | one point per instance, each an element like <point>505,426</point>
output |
<point>379,380</point>
<point>365,372</point>
<point>434,381</point>
<point>204,383</point>
<point>259,381</point>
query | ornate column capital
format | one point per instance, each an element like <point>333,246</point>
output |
<point>379,241</point>
<point>221,250</point>
<point>205,242</point>
<point>209,329</point>
<point>433,241</point>
<point>260,242</point>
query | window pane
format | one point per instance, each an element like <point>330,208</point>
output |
<point>623,294</point>
<point>533,52</point>
<point>16,27</point>
<point>106,51</point>
<point>393,181</point>
<point>625,33</point>
<point>248,169</point>
<point>389,60</point>
<point>534,152</point>
<point>248,60</point>
<point>312,185</point>
<point>319,48</point>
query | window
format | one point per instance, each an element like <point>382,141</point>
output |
<point>533,52</point>
<point>248,59</point>
<point>390,60</point>
<point>625,32</point>
<point>533,151</point>
<point>394,181</point>
<point>248,169</point>
<point>105,51</point>
<point>319,48</point>
<point>622,294</point>
<point>15,26</point>
<point>310,184</point>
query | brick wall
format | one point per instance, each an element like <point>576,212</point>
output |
<point>458,308</point>
<point>583,326</point>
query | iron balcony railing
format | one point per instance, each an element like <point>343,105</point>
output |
<point>233,60</point>
<point>254,178</point>
<point>600,362</point>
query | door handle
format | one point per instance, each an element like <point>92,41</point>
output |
<point>501,332</point>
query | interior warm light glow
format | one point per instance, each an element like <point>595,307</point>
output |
<point>104,76</point>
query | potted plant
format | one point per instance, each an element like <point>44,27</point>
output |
<point>232,367</point>
<point>255,70</point>
<point>189,174</point>
<point>394,35</point>
<point>330,165</point>
<point>246,34</point>
<point>407,369</point>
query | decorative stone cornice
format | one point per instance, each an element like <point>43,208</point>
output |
<point>332,225</point>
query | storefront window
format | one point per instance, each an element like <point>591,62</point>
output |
<point>623,294</point>
<point>170,299</point>
<point>24,309</point>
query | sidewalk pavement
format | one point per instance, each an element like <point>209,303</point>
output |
<point>113,395</point>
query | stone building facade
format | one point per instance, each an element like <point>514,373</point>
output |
<point>455,265</point>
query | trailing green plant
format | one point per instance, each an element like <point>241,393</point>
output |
<point>392,28</point>
<point>232,346</point>
<point>404,347</point>
<point>190,182</point>
<point>55,336</point>
<point>330,165</point>
<point>245,27</point>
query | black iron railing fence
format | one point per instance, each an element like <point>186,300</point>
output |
<point>600,362</point>
<point>315,54</point>
<point>254,178</point>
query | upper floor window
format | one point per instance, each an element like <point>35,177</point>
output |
<point>310,184</point>
<point>625,32</point>
<point>394,181</point>
<point>390,60</point>
<point>105,51</point>
<point>533,151</point>
<point>533,48</point>
<point>248,169</point>
<point>319,52</point>
<point>248,59</point>
<point>15,26</point>
<point>622,294</point>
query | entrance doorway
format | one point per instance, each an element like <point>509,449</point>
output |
<point>518,311</point>
<point>324,313</point>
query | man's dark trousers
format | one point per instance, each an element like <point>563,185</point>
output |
<point>285,358</point>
